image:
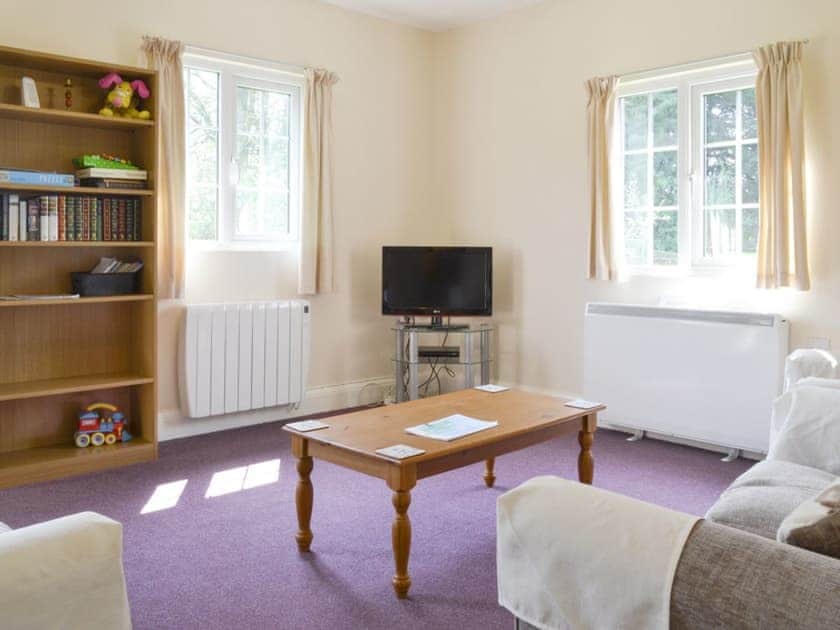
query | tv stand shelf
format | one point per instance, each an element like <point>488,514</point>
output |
<point>473,355</point>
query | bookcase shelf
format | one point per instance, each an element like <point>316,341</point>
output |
<point>77,244</point>
<point>48,462</point>
<point>69,385</point>
<point>80,190</point>
<point>55,361</point>
<point>134,297</point>
<point>79,119</point>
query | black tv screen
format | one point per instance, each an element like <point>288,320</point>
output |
<point>437,281</point>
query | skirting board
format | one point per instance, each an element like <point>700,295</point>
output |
<point>651,434</point>
<point>173,425</point>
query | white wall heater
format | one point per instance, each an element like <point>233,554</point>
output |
<point>708,376</point>
<point>237,357</point>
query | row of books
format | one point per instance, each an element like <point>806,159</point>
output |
<point>69,218</point>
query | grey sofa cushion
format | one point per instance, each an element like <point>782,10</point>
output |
<point>734,580</point>
<point>760,499</point>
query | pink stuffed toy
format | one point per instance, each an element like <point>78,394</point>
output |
<point>124,98</point>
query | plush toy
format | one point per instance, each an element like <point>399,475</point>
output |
<point>124,97</point>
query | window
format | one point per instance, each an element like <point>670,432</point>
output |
<point>243,152</point>
<point>689,168</point>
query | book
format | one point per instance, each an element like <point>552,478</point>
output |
<point>37,178</point>
<point>14,216</point>
<point>77,230</point>
<point>307,425</point>
<point>493,389</point>
<point>4,217</point>
<point>33,220</point>
<point>112,173</point>
<point>451,427</point>
<point>400,451</point>
<point>99,182</point>
<point>40,296</point>
<point>23,220</point>
<point>53,224</point>
<point>582,404</point>
<point>62,218</point>
<point>44,217</point>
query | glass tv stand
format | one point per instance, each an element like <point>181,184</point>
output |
<point>467,347</point>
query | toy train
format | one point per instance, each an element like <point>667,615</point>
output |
<point>101,423</point>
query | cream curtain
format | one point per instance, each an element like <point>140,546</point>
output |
<point>600,111</point>
<point>316,273</point>
<point>782,243</point>
<point>170,177</point>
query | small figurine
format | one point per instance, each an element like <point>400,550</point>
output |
<point>123,99</point>
<point>97,428</point>
<point>68,94</point>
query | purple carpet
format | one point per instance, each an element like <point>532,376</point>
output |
<point>230,561</point>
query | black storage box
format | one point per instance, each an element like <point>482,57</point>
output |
<point>100,284</point>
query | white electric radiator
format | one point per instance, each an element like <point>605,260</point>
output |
<point>708,376</point>
<point>236,357</point>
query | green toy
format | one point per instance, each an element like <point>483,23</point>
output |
<point>104,161</point>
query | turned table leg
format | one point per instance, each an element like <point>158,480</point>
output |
<point>489,475</point>
<point>401,479</point>
<point>586,463</point>
<point>303,493</point>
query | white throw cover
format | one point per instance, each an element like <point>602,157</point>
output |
<point>805,428</point>
<point>66,573</point>
<point>573,556</point>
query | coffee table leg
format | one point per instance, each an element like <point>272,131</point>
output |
<point>303,493</point>
<point>401,479</point>
<point>586,463</point>
<point>401,541</point>
<point>489,475</point>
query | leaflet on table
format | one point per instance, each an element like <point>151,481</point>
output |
<point>451,427</point>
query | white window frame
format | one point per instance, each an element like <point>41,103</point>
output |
<point>234,70</point>
<point>691,81</point>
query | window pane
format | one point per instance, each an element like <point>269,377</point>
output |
<point>720,116</point>
<point>749,173</point>
<point>635,181</point>
<point>635,122</point>
<point>748,115</point>
<point>262,154</point>
<point>665,119</point>
<point>202,219</point>
<point>202,153</point>
<point>720,233</point>
<point>749,230</point>
<point>665,238</point>
<point>636,237</point>
<point>720,176</point>
<point>665,178</point>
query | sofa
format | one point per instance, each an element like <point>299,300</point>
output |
<point>65,573</point>
<point>731,572</point>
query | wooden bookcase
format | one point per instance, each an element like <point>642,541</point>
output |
<point>56,356</point>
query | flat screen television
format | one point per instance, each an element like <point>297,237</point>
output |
<point>437,281</point>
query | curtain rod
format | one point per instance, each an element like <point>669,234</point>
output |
<point>667,71</point>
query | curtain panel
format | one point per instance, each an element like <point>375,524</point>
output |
<point>316,273</point>
<point>782,242</point>
<point>170,178</point>
<point>600,112</point>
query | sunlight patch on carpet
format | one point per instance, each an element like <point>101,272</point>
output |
<point>243,478</point>
<point>165,497</point>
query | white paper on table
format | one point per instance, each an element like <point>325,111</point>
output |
<point>400,451</point>
<point>307,425</point>
<point>583,404</point>
<point>493,389</point>
<point>451,427</point>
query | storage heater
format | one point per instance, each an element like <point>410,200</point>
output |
<point>708,376</point>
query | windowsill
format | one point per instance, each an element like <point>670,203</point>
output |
<point>732,275</point>
<point>251,246</point>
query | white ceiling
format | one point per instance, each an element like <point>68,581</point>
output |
<point>433,15</point>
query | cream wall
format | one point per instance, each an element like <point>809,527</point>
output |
<point>510,150</point>
<point>383,154</point>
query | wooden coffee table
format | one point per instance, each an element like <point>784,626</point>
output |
<point>352,439</point>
